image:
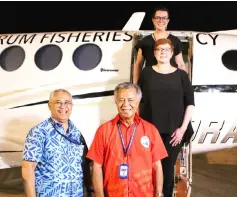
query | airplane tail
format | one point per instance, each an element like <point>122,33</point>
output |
<point>134,22</point>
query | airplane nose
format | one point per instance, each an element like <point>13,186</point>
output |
<point>229,59</point>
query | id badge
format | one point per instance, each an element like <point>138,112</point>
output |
<point>123,171</point>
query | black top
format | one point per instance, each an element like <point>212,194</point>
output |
<point>165,98</point>
<point>147,45</point>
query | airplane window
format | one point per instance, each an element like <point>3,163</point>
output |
<point>48,57</point>
<point>229,59</point>
<point>12,58</point>
<point>87,56</point>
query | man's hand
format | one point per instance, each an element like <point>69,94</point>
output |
<point>28,175</point>
<point>157,167</point>
<point>98,179</point>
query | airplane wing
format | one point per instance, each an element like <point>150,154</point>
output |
<point>134,22</point>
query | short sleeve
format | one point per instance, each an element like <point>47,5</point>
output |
<point>188,90</point>
<point>140,81</point>
<point>158,150</point>
<point>34,144</point>
<point>96,151</point>
<point>140,45</point>
<point>178,46</point>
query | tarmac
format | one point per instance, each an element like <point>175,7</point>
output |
<point>214,175</point>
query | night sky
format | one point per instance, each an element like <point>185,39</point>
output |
<point>27,17</point>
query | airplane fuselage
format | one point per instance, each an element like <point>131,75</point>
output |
<point>90,64</point>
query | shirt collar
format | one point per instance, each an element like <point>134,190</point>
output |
<point>58,124</point>
<point>117,118</point>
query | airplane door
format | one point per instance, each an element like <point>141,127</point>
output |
<point>183,165</point>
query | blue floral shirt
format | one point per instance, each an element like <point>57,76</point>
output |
<point>59,162</point>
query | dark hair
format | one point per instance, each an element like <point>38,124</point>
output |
<point>161,8</point>
<point>164,41</point>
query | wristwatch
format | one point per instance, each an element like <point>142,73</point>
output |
<point>160,194</point>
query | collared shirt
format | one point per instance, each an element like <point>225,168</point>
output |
<point>147,148</point>
<point>59,162</point>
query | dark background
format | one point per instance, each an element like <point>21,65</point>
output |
<point>26,17</point>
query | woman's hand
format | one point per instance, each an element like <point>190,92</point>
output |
<point>177,136</point>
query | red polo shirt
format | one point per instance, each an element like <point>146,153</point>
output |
<point>106,149</point>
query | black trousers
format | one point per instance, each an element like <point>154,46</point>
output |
<point>168,164</point>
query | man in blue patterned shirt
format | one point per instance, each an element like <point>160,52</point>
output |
<point>54,163</point>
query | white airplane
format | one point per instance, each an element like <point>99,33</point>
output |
<point>89,64</point>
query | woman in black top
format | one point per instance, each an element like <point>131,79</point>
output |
<point>168,102</point>
<point>145,47</point>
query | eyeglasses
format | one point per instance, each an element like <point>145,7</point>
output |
<point>161,18</point>
<point>59,103</point>
<point>162,49</point>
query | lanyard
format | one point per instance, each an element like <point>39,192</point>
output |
<point>66,137</point>
<point>126,150</point>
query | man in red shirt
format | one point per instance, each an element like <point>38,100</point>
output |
<point>126,151</point>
